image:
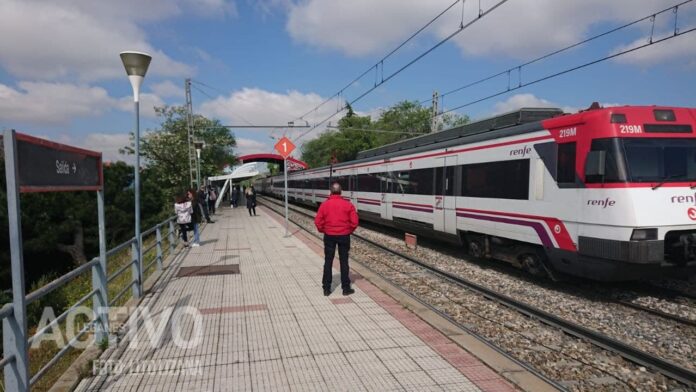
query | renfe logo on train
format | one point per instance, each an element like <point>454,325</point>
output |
<point>521,152</point>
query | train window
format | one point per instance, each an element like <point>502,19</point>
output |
<point>368,183</point>
<point>614,166</point>
<point>421,181</point>
<point>565,164</point>
<point>500,180</point>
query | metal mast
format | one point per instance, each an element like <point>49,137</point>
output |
<point>435,112</point>
<point>189,123</point>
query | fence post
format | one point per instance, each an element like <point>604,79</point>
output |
<point>100,302</point>
<point>172,239</point>
<point>14,326</point>
<point>159,247</point>
<point>135,270</point>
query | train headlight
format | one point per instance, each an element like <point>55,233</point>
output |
<point>644,234</point>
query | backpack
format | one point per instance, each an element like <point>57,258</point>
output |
<point>212,195</point>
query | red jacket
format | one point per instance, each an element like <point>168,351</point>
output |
<point>336,216</point>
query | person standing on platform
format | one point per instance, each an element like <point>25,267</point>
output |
<point>251,200</point>
<point>235,196</point>
<point>195,217</point>
<point>183,210</point>
<point>337,219</point>
<point>212,197</point>
<point>203,203</point>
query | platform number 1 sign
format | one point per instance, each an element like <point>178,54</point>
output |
<point>285,147</point>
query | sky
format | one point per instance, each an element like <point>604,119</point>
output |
<point>269,62</point>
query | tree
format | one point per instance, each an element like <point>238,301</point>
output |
<point>357,133</point>
<point>165,151</point>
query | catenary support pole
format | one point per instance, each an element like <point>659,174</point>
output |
<point>285,175</point>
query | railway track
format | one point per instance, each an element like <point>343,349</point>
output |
<point>633,354</point>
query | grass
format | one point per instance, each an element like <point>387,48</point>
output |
<point>62,298</point>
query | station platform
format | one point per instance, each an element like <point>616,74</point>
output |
<point>264,324</point>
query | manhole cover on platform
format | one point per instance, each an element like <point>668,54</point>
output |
<point>205,270</point>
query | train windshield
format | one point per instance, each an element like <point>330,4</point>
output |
<point>647,159</point>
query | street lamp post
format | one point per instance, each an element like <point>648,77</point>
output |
<point>199,146</point>
<point>136,64</point>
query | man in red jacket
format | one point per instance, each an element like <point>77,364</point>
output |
<point>337,219</point>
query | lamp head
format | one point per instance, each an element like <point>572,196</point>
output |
<point>136,64</point>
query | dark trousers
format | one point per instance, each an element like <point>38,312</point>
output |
<point>330,243</point>
<point>183,228</point>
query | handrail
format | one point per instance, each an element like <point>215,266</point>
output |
<point>6,311</point>
<point>60,318</point>
<point>121,293</point>
<point>60,353</point>
<point>98,291</point>
<point>59,282</point>
<point>6,360</point>
<point>120,271</point>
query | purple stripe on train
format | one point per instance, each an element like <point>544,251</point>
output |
<point>538,227</point>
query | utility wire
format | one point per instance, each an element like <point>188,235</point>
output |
<point>461,28</point>
<point>209,96</point>
<point>380,62</point>
<point>543,57</point>
<point>652,42</point>
<point>224,93</point>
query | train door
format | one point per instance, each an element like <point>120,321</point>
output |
<point>385,198</point>
<point>353,185</point>
<point>445,208</point>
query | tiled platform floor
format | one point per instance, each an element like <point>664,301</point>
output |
<point>270,328</point>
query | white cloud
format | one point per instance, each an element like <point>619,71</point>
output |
<point>68,40</point>
<point>52,103</point>
<point>517,29</point>
<point>519,101</point>
<point>168,89</point>
<point>43,103</point>
<point>357,27</point>
<point>250,146</point>
<point>261,107</point>
<point>108,144</point>
<point>682,48</point>
<point>147,104</point>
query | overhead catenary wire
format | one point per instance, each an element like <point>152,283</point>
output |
<point>209,96</point>
<point>519,67</point>
<point>568,70</point>
<point>460,28</point>
<point>380,62</point>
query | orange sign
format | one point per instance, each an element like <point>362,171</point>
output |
<point>285,147</point>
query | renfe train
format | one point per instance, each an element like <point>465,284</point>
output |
<point>606,193</point>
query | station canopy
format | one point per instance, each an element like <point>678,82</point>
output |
<point>247,170</point>
<point>293,164</point>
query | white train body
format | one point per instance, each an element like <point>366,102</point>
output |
<point>571,194</point>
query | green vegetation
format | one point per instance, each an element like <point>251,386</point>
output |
<point>356,133</point>
<point>59,230</point>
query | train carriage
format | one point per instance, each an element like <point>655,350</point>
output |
<point>606,193</point>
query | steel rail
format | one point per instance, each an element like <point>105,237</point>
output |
<point>665,367</point>
<point>444,315</point>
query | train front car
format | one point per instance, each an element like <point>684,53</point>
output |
<point>626,191</point>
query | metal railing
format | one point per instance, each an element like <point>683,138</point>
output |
<point>12,331</point>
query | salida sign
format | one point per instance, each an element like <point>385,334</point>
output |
<point>45,166</point>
